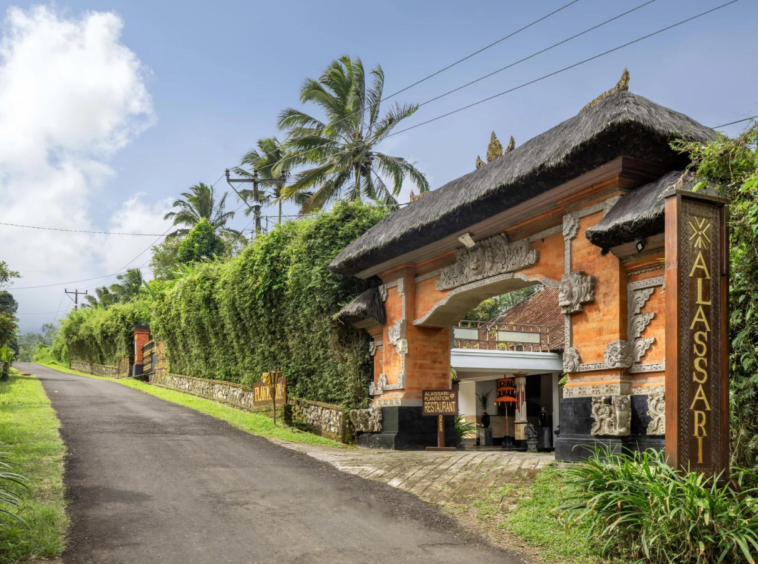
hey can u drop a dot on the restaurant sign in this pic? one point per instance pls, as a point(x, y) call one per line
point(439, 402)
point(697, 371)
point(262, 393)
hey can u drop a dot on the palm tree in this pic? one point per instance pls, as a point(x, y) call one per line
point(129, 286)
point(103, 297)
point(343, 149)
point(198, 204)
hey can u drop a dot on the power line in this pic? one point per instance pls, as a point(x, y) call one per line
point(78, 230)
point(467, 57)
point(733, 122)
point(384, 98)
point(564, 69)
point(553, 46)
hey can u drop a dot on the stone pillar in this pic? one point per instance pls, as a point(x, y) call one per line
point(520, 418)
point(141, 338)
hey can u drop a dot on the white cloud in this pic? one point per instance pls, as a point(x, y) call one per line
point(71, 96)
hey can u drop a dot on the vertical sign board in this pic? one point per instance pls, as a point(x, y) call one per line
point(439, 403)
point(697, 333)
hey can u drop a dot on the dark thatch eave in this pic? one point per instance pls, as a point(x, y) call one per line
point(638, 214)
point(623, 124)
point(367, 306)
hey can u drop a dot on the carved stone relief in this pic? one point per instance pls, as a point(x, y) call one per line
point(367, 420)
point(571, 360)
point(656, 410)
point(373, 346)
point(612, 415)
point(641, 346)
point(639, 299)
point(619, 354)
point(570, 226)
point(575, 290)
point(639, 323)
point(489, 257)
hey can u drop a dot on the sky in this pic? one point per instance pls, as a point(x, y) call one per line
point(110, 109)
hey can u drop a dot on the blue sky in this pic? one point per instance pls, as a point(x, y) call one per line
point(218, 74)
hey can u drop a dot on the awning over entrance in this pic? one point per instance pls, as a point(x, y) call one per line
point(473, 362)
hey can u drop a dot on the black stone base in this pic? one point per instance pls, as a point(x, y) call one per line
point(404, 428)
point(576, 442)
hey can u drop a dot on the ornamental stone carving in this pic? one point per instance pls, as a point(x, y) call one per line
point(571, 360)
point(639, 299)
point(575, 290)
point(373, 346)
point(639, 323)
point(640, 348)
point(367, 420)
point(396, 336)
point(570, 226)
point(656, 410)
point(619, 354)
point(494, 149)
point(382, 385)
point(489, 257)
point(612, 415)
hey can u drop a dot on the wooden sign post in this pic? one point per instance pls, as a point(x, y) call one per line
point(697, 333)
point(439, 403)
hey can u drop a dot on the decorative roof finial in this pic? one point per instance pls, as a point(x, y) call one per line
point(479, 162)
point(511, 145)
point(414, 197)
point(495, 148)
point(621, 86)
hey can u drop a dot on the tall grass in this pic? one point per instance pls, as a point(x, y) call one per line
point(638, 507)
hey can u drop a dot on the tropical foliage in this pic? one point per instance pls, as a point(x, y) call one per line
point(730, 166)
point(127, 288)
point(198, 204)
point(639, 507)
point(340, 151)
point(199, 244)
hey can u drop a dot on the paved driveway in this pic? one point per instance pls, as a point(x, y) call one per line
point(154, 482)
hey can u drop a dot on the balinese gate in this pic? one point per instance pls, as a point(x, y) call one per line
point(579, 208)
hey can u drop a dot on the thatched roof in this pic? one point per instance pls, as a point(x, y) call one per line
point(368, 305)
point(622, 124)
point(638, 214)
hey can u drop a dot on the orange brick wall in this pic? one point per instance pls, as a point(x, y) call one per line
point(603, 320)
point(550, 263)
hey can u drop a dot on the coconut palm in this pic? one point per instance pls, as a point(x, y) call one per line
point(129, 285)
point(102, 297)
point(198, 204)
point(342, 149)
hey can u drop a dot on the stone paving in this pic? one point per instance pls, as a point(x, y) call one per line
point(437, 477)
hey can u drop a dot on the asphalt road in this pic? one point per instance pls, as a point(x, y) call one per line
point(153, 482)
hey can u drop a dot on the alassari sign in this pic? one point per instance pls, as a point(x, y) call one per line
point(697, 333)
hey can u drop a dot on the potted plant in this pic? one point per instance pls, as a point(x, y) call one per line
point(484, 402)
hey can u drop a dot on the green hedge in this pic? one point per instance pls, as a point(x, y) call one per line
point(269, 307)
point(101, 336)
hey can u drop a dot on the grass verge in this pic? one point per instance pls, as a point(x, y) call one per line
point(29, 435)
point(524, 514)
point(253, 423)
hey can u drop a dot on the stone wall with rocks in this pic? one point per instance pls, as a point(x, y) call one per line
point(320, 418)
point(224, 392)
point(120, 371)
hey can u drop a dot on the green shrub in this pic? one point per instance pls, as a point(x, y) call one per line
point(637, 506)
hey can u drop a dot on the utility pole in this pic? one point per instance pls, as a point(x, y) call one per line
point(76, 294)
point(256, 182)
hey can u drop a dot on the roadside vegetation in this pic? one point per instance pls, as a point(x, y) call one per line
point(33, 449)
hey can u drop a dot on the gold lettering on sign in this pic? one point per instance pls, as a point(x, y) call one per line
point(700, 407)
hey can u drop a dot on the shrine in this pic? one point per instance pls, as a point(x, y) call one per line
point(585, 211)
